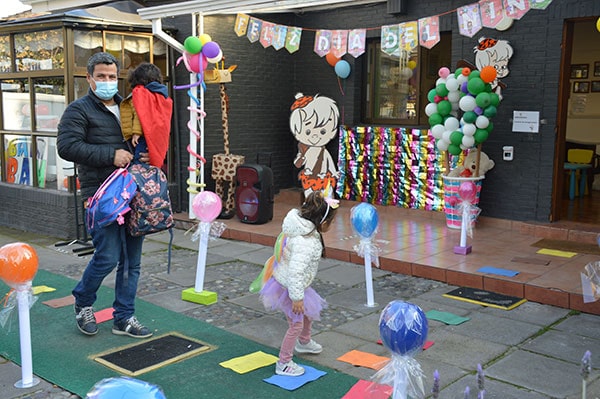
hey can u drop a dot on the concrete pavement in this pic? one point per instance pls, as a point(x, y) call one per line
point(531, 352)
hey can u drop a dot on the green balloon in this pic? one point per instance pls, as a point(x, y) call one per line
point(481, 135)
point(456, 137)
point(192, 44)
point(454, 149)
point(431, 95)
point(490, 111)
point(494, 99)
point(441, 90)
point(444, 107)
point(458, 72)
point(470, 117)
point(483, 99)
point(475, 86)
point(490, 127)
point(474, 74)
point(435, 119)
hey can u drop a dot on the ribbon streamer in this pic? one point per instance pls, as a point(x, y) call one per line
point(366, 246)
point(471, 212)
point(214, 230)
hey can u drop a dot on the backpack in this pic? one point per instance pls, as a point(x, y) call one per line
point(151, 210)
point(111, 201)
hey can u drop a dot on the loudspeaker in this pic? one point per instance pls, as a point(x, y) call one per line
point(254, 193)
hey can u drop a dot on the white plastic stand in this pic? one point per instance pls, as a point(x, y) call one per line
point(463, 249)
point(198, 294)
point(369, 279)
point(27, 380)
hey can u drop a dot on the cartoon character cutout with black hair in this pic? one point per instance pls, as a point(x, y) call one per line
point(496, 53)
point(314, 123)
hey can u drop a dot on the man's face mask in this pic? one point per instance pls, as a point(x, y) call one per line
point(106, 90)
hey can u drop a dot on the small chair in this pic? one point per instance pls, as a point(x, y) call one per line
point(578, 162)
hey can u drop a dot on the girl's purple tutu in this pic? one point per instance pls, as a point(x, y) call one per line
point(275, 297)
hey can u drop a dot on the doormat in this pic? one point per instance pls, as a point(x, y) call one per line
point(485, 298)
point(151, 354)
point(568, 246)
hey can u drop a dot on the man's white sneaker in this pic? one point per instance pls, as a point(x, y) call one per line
point(309, 347)
point(290, 369)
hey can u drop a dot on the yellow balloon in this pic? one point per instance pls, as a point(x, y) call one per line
point(205, 38)
point(598, 24)
point(412, 64)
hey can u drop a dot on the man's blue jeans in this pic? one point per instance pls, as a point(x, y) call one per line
point(108, 255)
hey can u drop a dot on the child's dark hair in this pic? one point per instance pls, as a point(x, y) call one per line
point(318, 211)
point(143, 74)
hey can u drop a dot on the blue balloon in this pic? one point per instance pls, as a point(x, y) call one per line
point(342, 69)
point(125, 388)
point(403, 327)
point(364, 219)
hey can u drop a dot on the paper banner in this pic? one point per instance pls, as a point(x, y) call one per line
point(491, 12)
point(292, 39)
point(266, 34)
point(339, 43)
point(356, 42)
point(322, 42)
point(390, 39)
point(253, 31)
point(279, 34)
point(469, 20)
point(429, 31)
point(241, 24)
point(409, 35)
point(515, 9)
point(539, 4)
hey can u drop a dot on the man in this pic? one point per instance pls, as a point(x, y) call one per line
point(89, 134)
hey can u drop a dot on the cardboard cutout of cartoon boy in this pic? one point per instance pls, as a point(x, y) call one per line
point(496, 53)
point(314, 122)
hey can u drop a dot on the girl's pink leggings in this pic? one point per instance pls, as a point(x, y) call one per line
point(296, 331)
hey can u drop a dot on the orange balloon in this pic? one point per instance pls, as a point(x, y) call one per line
point(331, 59)
point(466, 71)
point(18, 263)
point(488, 74)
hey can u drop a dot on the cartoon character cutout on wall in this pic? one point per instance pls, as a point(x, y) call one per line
point(496, 53)
point(314, 123)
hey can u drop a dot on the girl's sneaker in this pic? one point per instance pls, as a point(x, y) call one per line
point(290, 369)
point(309, 347)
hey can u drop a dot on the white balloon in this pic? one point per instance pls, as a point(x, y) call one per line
point(446, 135)
point(453, 96)
point(482, 122)
point(452, 83)
point(467, 103)
point(407, 73)
point(452, 124)
point(430, 109)
point(440, 81)
point(461, 79)
point(442, 145)
point(468, 141)
point(437, 131)
point(469, 129)
point(216, 58)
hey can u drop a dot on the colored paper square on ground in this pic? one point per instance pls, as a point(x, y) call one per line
point(292, 383)
point(445, 317)
point(554, 252)
point(247, 363)
point(39, 289)
point(368, 389)
point(364, 359)
point(60, 302)
point(104, 315)
point(498, 271)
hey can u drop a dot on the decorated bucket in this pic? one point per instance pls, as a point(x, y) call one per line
point(452, 199)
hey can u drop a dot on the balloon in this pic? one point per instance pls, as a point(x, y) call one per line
point(441, 90)
point(207, 206)
point(216, 59)
point(403, 327)
point(342, 69)
point(456, 137)
point(211, 49)
point(443, 72)
point(444, 107)
point(205, 38)
point(412, 64)
point(125, 388)
point(364, 219)
point(488, 74)
point(192, 45)
point(18, 263)
point(467, 191)
point(331, 59)
point(198, 63)
point(475, 86)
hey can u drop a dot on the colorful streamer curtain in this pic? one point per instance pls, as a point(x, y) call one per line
point(390, 166)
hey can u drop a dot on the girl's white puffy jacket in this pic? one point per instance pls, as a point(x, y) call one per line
point(301, 255)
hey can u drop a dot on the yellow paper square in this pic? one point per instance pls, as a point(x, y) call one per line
point(252, 361)
point(555, 252)
point(38, 289)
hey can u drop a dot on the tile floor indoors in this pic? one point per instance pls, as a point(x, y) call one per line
point(419, 243)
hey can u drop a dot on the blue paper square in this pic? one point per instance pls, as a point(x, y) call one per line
point(495, 270)
point(291, 383)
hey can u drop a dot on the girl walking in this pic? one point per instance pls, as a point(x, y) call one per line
point(289, 289)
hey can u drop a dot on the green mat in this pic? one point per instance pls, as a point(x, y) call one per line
point(63, 356)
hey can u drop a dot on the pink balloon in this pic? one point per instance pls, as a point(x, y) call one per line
point(198, 63)
point(467, 191)
point(443, 72)
point(207, 206)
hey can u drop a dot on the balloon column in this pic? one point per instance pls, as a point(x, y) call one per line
point(18, 266)
point(125, 388)
point(364, 219)
point(403, 328)
point(467, 191)
point(461, 107)
point(206, 206)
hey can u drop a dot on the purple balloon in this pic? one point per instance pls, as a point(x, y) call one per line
point(478, 110)
point(211, 49)
point(463, 88)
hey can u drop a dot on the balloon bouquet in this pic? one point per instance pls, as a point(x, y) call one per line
point(364, 220)
point(206, 206)
point(403, 328)
point(18, 266)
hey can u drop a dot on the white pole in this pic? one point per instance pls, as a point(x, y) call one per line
point(27, 379)
point(369, 277)
point(193, 139)
point(463, 225)
point(202, 252)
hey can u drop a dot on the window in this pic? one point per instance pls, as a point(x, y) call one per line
point(5, 59)
point(395, 89)
point(16, 104)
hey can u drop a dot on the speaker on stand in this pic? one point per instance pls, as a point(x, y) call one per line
point(254, 193)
